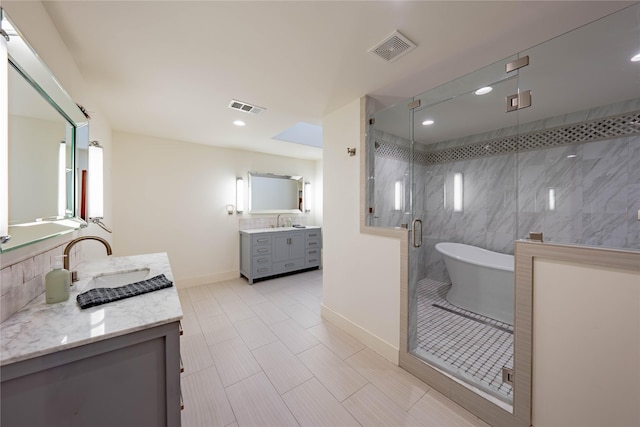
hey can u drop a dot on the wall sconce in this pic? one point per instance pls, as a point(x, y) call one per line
point(457, 192)
point(96, 185)
point(307, 197)
point(62, 179)
point(398, 204)
point(4, 152)
point(239, 195)
point(351, 151)
point(230, 209)
point(552, 199)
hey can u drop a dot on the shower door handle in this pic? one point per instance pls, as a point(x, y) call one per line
point(414, 226)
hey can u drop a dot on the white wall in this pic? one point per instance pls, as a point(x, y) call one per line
point(586, 345)
point(361, 287)
point(170, 196)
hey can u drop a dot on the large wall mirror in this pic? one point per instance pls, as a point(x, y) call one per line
point(269, 193)
point(44, 128)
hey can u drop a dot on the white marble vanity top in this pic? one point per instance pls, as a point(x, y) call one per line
point(272, 229)
point(41, 328)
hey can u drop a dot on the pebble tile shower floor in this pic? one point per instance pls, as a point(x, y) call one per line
point(462, 342)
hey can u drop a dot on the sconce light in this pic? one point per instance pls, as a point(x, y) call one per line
point(230, 209)
point(307, 197)
point(239, 195)
point(398, 204)
point(4, 154)
point(96, 185)
point(552, 199)
point(351, 151)
point(62, 179)
point(457, 192)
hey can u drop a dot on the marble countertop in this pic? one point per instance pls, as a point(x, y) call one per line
point(41, 328)
point(272, 229)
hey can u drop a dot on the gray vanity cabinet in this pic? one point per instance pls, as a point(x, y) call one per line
point(129, 380)
point(313, 246)
point(288, 251)
point(269, 253)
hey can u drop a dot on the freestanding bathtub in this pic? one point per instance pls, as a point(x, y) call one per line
point(481, 280)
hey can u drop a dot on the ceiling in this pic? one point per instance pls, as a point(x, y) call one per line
point(588, 68)
point(170, 68)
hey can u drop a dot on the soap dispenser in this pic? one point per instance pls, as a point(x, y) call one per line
point(57, 283)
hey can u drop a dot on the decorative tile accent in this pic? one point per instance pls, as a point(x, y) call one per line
point(590, 131)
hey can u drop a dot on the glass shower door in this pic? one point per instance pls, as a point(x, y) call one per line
point(463, 203)
point(389, 167)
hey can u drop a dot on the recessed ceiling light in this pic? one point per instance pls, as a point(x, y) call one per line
point(483, 90)
point(636, 58)
point(428, 123)
point(239, 123)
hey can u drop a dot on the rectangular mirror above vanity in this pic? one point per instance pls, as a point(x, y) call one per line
point(45, 128)
point(271, 193)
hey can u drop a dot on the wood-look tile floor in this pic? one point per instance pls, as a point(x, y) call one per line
point(261, 355)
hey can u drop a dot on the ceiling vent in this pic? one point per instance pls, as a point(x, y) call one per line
point(393, 47)
point(244, 107)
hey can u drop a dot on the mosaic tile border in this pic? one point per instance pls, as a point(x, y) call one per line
point(622, 125)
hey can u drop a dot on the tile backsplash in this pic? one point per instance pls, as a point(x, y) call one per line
point(270, 221)
point(23, 280)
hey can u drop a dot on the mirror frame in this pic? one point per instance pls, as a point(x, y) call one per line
point(22, 57)
point(298, 179)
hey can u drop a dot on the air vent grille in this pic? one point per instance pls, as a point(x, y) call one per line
point(244, 107)
point(393, 47)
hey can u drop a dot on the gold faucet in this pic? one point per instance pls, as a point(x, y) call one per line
point(67, 250)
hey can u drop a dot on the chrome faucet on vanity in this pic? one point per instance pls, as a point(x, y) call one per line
point(67, 252)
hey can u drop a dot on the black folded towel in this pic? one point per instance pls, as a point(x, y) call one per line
point(99, 296)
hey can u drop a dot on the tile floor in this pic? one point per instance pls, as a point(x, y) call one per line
point(261, 355)
point(463, 343)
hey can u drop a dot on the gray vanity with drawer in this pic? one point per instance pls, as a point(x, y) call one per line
point(272, 251)
point(116, 364)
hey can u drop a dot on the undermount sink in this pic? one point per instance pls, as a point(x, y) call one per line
point(118, 278)
point(299, 227)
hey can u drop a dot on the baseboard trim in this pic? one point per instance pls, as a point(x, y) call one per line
point(203, 280)
point(375, 343)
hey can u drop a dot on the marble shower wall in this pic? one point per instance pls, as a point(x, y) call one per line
point(388, 171)
point(488, 217)
point(595, 188)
